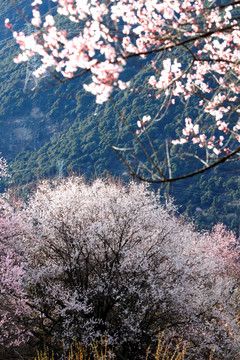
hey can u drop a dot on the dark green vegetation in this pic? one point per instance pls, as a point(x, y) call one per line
point(56, 127)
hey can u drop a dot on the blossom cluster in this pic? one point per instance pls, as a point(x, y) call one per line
point(143, 123)
point(192, 132)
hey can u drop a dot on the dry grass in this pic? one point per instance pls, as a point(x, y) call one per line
point(81, 352)
point(164, 351)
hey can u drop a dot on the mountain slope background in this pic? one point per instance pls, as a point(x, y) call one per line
point(50, 129)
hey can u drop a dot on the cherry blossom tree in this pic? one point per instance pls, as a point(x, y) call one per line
point(190, 47)
point(105, 259)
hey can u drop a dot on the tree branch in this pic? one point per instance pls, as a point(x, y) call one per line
point(216, 163)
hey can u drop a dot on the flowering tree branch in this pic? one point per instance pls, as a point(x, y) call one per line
point(111, 34)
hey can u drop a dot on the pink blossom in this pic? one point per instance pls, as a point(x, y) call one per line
point(144, 121)
point(179, 141)
point(216, 151)
point(36, 20)
point(36, 2)
point(222, 125)
point(7, 24)
point(49, 21)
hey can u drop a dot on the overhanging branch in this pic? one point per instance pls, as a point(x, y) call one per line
point(200, 171)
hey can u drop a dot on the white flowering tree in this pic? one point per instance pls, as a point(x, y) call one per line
point(191, 49)
point(108, 260)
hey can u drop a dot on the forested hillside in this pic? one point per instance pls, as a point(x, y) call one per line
point(48, 128)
